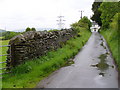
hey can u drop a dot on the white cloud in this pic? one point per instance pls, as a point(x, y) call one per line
point(17, 14)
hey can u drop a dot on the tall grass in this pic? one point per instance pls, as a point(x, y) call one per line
point(27, 75)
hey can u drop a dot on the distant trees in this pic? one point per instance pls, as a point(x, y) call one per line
point(30, 29)
point(8, 35)
point(33, 29)
point(27, 29)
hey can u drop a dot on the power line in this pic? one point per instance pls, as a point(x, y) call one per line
point(60, 22)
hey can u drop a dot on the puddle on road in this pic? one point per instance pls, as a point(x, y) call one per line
point(107, 53)
point(102, 65)
point(103, 74)
point(101, 39)
point(103, 44)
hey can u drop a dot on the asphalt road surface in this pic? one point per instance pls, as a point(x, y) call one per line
point(93, 68)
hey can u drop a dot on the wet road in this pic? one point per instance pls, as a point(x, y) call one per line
point(93, 68)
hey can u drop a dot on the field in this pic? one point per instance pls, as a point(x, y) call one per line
point(27, 75)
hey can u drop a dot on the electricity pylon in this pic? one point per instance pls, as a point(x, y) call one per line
point(60, 22)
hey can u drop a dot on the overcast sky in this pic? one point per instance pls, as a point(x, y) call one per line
point(19, 14)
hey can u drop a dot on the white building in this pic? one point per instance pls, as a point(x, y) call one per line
point(95, 27)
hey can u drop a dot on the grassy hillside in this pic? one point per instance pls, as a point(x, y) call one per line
point(27, 75)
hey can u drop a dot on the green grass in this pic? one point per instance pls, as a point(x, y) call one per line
point(3, 49)
point(112, 37)
point(27, 75)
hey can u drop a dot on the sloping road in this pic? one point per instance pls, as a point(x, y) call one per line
point(93, 68)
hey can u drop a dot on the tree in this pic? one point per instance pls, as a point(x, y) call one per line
point(97, 12)
point(33, 29)
point(108, 10)
point(82, 23)
point(27, 29)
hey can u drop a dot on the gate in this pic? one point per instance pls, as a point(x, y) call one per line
point(3, 69)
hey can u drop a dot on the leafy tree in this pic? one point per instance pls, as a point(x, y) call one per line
point(97, 13)
point(85, 22)
point(108, 9)
point(33, 29)
point(27, 29)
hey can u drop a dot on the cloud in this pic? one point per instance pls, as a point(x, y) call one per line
point(17, 14)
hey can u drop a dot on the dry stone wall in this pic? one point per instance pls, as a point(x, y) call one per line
point(34, 44)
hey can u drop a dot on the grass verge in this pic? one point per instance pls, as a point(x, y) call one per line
point(112, 39)
point(27, 75)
